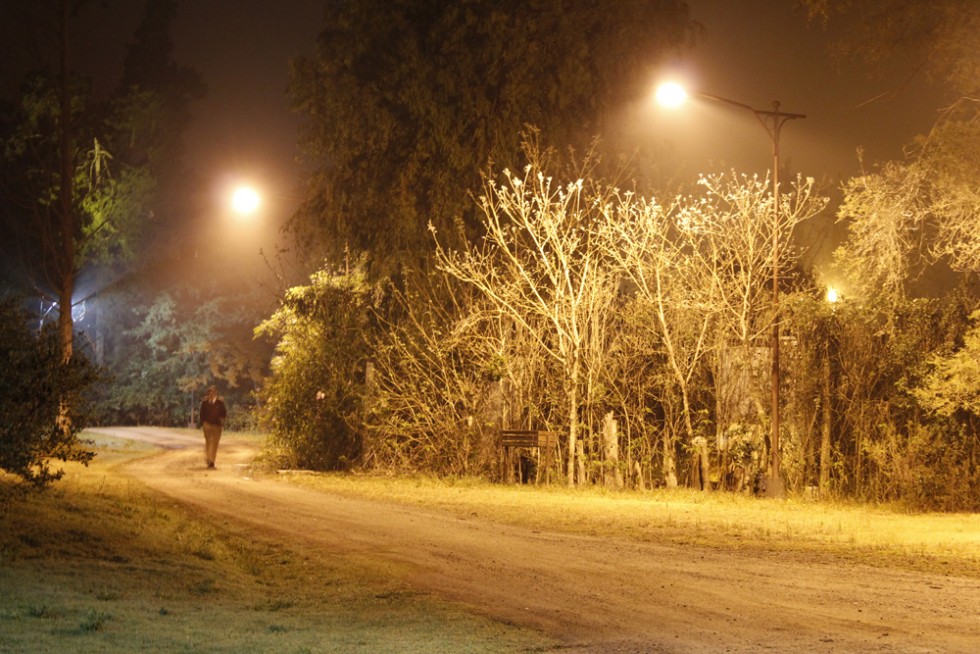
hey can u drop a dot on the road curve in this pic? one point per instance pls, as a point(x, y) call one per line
point(594, 594)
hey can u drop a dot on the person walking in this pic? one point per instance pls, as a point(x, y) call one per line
point(212, 419)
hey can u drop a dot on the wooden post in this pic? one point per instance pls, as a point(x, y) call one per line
point(611, 474)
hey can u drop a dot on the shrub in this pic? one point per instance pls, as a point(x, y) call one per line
point(35, 387)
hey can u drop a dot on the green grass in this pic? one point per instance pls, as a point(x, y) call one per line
point(98, 563)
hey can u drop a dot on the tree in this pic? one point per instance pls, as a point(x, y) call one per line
point(953, 384)
point(313, 399)
point(441, 361)
point(169, 348)
point(81, 171)
point(911, 222)
point(951, 390)
point(406, 103)
point(130, 193)
point(907, 214)
point(543, 264)
point(38, 388)
point(939, 37)
point(700, 267)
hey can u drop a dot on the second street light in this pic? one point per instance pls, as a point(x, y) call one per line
point(671, 94)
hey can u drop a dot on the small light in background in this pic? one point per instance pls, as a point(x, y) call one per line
point(832, 295)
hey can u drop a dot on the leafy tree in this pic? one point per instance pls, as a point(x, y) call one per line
point(407, 101)
point(37, 387)
point(700, 268)
point(130, 194)
point(905, 216)
point(177, 345)
point(939, 36)
point(313, 399)
point(81, 172)
point(953, 385)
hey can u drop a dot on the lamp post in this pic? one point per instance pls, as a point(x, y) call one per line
point(772, 120)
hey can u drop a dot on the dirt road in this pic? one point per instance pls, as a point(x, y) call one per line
point(593, 594)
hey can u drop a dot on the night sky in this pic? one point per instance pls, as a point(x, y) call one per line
point(757, 51)
point(752, 51)
point(243, 128)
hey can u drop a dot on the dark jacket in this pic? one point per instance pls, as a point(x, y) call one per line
point(213, 413)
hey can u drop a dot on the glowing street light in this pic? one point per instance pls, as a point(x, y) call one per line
point(245, 200)
point(672, 95)
point(832, 295)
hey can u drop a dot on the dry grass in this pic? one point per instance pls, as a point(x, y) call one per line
point(101, 564)
point(98, 563)
point(883, 536)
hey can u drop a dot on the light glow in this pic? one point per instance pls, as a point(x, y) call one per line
point(671, 95)
point(245, 200)
point(832, 295)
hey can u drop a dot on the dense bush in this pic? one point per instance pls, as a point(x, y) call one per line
point(42, 408)
point(313, 399)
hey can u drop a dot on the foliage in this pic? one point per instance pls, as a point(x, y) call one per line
point(883, 352)
point(129, 195)
point(929, 465)
point(407, 101)
point(940, 35)
point(313, 400)
point(84, 173)
point(908, 216)
point(562, 297)
point(952, 385)
point(32, 164)
point(701, 270)
point(884, 215)
point(441, 365)
point(178, 344)
point(37, 389)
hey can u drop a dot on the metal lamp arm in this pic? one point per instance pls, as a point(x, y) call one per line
point(771, 120)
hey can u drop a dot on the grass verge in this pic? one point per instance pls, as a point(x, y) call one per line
point(98, 563)
point(873, 535)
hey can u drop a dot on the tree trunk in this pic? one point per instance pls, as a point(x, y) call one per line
point(670, 462)
point(826, 425)
point(572, 421)
point(66, 257)
point(704, 463)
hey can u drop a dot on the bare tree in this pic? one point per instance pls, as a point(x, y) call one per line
point(543, 266)
point(658, 256)
point(702, 266)
point(433, 403)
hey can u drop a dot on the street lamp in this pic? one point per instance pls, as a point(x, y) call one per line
point(245, 200)
point(672, 94)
